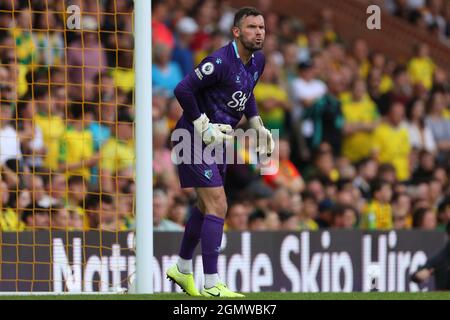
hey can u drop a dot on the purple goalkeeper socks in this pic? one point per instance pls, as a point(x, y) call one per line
point(211, 237)
point(192, 232)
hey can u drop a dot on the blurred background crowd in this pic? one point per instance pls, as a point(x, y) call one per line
point(66, 127)
point(432, 16)
point(364, 139)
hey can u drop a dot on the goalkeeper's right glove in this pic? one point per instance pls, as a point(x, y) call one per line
point(212, 132)
point(265, 144)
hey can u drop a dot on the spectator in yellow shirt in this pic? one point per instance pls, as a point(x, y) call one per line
point(117, 155)
point(306, 219)
point(271, 97)
point(77, 191)
point(59, 218)
point(101, 213)
point(361, 117)
point(401, 211)
point(55, 184)
point(378, 213)
point(75, 199)
point(324, 166)
point(75, 220)
point(76, 152)
point(361, 54)
point(25, 45)
point(48, 39)
point(391, 142)
point(380, 68)
point(12, 75)
point(421, 67)
point(9, 219)
point(123, 74)
point(36, 217)
point(50, 120)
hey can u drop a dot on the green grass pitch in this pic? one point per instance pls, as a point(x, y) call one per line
point(252, 296)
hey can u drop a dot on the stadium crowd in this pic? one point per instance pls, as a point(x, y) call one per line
point(432, 16)
point(364, 141)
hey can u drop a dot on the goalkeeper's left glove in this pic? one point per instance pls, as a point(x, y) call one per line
point(212, 132)
point(265, 144)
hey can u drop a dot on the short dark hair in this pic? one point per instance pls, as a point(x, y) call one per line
point(101, 75)
point(91, 108)
point(363, 162)
point(305, 65)
point(308, 195)
point(398, 195)
point(33, 209)
point(285, 215)
point(243, 13)
point(385, 167)
point(419, 215)
point(341, 184)
point(340, 209)
point(258, 214)
point(400, 69)
point(443, 205)
point(235, 203)
point(125, 117)
point(40, 91)
point(75, 179)
point(376, 185)
point(93, 200)
point(76, 110)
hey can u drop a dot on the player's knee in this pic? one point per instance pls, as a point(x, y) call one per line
point(217, 205)
point(217, 210)
point(223, 209)
point(220, 210)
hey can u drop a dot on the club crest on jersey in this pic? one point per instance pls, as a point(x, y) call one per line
point(218, 61)
point(208, 68)
point(238, 79)
point(208, 174)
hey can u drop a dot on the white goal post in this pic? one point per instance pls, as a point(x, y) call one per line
point(143, 282)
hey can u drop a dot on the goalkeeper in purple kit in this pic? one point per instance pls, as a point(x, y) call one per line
point(214, 97)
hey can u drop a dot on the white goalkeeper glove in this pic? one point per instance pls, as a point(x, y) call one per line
point(265, 144)
point(212, 132)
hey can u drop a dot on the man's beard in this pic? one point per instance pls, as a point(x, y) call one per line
point(250, 46)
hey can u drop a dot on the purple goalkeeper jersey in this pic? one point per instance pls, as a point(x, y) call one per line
point(221, 86)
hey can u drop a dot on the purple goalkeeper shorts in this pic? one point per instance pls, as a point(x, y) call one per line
point(199, 174)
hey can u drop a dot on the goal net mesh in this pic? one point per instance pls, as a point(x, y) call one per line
point(66, 145)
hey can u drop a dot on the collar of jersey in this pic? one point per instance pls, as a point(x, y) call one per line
point(236, 50)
